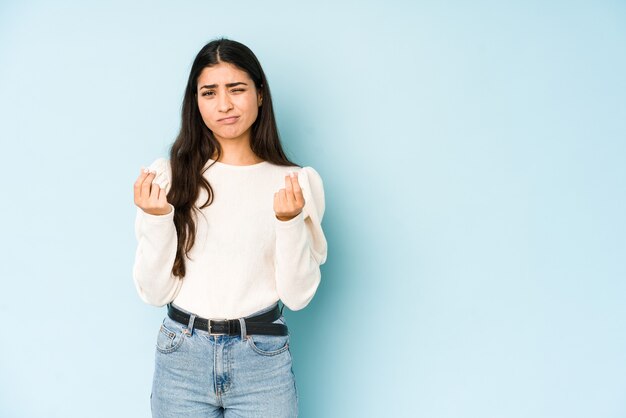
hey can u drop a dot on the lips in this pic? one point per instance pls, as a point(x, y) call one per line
point(228, 120)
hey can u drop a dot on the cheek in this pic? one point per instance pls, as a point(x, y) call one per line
point(205, 112)
point(254, 114)
point(253, 111)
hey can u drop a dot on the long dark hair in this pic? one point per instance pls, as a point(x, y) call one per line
point(195, 143)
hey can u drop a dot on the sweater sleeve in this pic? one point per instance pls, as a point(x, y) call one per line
point(301, 245)
point(156, 248)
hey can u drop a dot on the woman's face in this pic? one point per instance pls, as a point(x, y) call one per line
point(228, 101)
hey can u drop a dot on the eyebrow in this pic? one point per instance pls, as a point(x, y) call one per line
point(212, 86)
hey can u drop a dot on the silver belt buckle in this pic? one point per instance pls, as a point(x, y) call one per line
point(209, 326)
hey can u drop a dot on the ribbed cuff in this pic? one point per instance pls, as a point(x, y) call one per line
point(158, 218)
point(299, 218)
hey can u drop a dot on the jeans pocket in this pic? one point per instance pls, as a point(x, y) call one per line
point(171, 336)
point(268, 345)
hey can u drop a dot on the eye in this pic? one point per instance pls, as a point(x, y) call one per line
point(208, 93)
point(237, 90)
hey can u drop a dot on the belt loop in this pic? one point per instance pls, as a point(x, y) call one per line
point(192, 318)
point(242, 323)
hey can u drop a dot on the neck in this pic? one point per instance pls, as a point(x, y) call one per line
point(237, 152)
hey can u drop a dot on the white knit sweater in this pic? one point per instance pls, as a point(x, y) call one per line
point(243, 259)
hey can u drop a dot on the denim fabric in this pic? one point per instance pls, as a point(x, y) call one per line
point(202, 375)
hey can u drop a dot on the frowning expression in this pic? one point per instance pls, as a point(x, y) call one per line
point(228, 101)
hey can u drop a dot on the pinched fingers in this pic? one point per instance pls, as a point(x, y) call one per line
point(150, 196)
point(281, 197)
point(288, 202)
point(290, 198)
point(297, 190)
point(143, 185)
point(155, 190)
point(162, 196)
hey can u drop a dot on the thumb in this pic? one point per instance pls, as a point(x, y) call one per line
point(162, 196)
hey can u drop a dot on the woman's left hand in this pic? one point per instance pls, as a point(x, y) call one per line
point(288, 202)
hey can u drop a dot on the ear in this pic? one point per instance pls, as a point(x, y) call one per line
point(259, 100)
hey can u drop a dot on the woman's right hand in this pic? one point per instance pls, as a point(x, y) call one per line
point(150, 197)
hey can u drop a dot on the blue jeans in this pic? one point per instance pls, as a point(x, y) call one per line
point(202, 375)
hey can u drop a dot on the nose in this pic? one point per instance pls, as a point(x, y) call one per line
point(224, 104)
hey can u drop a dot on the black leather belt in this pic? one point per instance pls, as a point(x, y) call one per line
point(259, 324)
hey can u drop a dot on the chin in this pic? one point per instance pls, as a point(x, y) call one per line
point(230, 136)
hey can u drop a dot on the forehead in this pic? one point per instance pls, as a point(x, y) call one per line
point(222, 73)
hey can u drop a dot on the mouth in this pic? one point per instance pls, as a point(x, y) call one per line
point(230, 119)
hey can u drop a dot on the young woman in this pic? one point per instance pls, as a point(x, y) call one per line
point(227, 227)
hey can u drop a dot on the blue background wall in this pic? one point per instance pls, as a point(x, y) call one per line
point(473, 157)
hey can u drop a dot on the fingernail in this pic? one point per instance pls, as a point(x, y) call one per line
point(292, 174)
point(145, 170)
